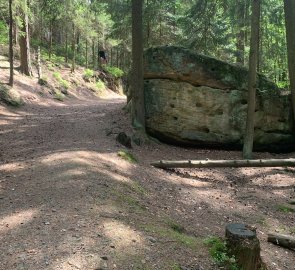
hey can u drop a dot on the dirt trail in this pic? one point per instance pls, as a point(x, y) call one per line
point(67, 201)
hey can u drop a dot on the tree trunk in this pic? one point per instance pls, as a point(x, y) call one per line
point(50, 40)
point(243, 243)
point(94, 58)
point(74, 50)
point(290, 33)
point(224, 163)
point(240, 43)
point(10, 43)
point(67, 49)
point(138, 110)
point(252, 80)
point(39, 69)
point(24, 43)
point(86, 53)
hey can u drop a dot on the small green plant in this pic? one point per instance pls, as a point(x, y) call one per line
point(114, 71)
point(10, 96)
point(219, 253)
point(63, 83)
point(100, 85)
point(180, 238)
point(59, 95)
point(285, 209)
point(3, 33)
point(176, 227)
point(88, 74)
point(127, 156)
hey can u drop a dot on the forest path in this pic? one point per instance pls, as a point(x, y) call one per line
point(67, 201)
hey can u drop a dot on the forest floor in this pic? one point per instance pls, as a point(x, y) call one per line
point(68, 201)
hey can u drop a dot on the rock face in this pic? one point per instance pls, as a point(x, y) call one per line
point(197, 100)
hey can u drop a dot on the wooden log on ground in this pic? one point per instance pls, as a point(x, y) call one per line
point(282, 240)
point(224, 163)
point(292, 202)
point(244, 245)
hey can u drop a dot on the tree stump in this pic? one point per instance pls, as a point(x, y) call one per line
point(243, 243)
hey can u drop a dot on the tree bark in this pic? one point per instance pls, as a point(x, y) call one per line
point(224, 163)
point(24, 43)
point(290, 34)
point(138, 110)
point(252, 80)
point(243, 243)
point(73, 49)
point(283, 240)
point(86, 53)
point(11, 43)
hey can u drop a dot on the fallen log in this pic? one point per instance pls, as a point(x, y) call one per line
point(292, 202)
point(282, 240)
point(224, 163)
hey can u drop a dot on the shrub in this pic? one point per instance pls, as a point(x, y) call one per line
point(114, 71)
point(59, 95)
point(100, 85)
point(88, 74)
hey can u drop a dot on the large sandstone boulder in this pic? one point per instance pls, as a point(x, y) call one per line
point(197, 100)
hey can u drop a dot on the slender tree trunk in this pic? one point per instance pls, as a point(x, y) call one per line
point(74, 50)
point(252, 80)
point(10, 43)
point(94, 58)
point(240, 43)
point(86, 56)
point(138, 110)
point(24, 42)
point(67, 48)
point(290, 33)
point(50, 40)
point(39, 69)
point(117, 58)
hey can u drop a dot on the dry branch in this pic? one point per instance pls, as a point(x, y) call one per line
point(224, 163)
point(283, 240)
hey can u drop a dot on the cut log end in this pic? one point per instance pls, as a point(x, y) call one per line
point(243, 243)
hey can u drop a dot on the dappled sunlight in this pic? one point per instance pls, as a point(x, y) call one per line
point(123, 237)
point(10, 222)
point(77, 261)
point(12, 167)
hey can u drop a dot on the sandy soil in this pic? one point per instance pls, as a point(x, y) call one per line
point(68, 201)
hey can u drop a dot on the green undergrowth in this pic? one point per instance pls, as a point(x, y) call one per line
point(286, 209)
point(126, 155)
point(173, 234)
point(62, 83)
point(114, 71)
point(88, 74)
point(59, 95)
point(10, 96)
point(219, 253)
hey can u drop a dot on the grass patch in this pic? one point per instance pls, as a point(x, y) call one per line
point(286, 209)
point(10, 96)
point(127, 156)
point(219, 253)
point(173, 235)
point(176, 227)
point(138, 188)
point(125, 199)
